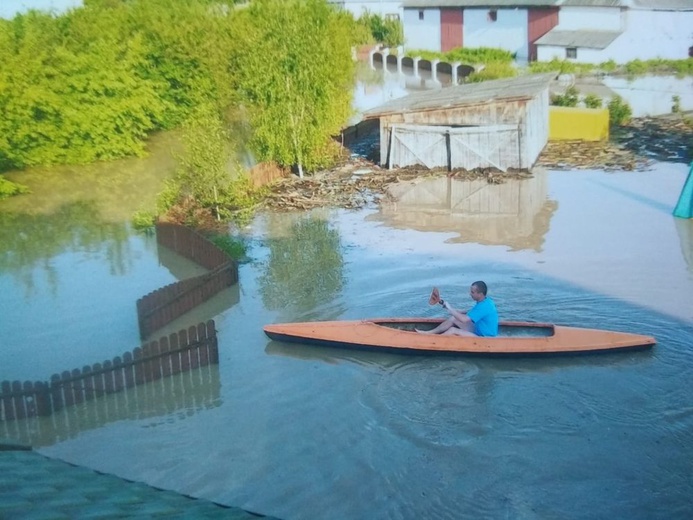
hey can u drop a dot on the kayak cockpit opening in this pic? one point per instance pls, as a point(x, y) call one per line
point(528, 330)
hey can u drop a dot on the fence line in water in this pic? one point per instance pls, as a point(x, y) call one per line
point(164, 305)
point(177, 353)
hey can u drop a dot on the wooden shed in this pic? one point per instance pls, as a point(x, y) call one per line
point(501, 123)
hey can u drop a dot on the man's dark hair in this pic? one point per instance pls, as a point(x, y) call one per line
point(481, 287)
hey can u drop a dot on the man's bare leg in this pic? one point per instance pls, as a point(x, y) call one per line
point(448, 327)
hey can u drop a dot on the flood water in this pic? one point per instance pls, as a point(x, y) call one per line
point(647, 95)
point(309, 432)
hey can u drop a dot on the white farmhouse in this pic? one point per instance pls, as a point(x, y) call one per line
point(601, 30)
point(590, 31)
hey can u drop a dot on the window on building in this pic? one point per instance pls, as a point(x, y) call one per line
point(492, 15)
point(571, 53)
point(421, 15)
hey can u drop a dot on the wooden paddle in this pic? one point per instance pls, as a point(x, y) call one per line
point(435, 297)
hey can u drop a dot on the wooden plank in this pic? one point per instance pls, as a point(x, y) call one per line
point(118, 375)
point(7, 405)
point(29, 398)
point(18, 400)
point(43, 402)
point(77, 385)
point(57, 393)
point(129, 370)
point(99, 386)
point(88, 383)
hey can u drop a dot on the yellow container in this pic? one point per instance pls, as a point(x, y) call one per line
point(578, 124)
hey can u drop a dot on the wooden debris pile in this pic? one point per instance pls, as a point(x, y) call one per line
point(581, 155)
point(359, 183)
point(632, 147)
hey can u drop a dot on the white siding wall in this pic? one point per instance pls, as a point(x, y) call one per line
point(589, 18)
point(422, 34)
point(653, 34)
point(508, 32)
point(547, 53)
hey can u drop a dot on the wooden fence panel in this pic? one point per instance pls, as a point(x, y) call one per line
point(162, 306)
point(188, 349)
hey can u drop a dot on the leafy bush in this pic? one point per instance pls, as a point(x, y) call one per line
point(608, 66)
point(561, 67)
point(494, 70)
point(676, 104)
point(620, 112)
point(568, 99)
point(143, 221)
point(636, 67)
point(474, 56)
point(478, 55)
point(10, 189)
point(232, 247)
point(592, 101)
point(384, 30)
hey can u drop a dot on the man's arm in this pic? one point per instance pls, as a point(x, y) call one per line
point(460, 316)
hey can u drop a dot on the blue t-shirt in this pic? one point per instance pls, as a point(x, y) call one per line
point(485, 318)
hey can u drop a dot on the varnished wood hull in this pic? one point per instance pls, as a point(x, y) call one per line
point(397, 334)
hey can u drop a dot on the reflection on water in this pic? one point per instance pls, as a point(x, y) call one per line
point(515, 213)
point(71, 269)
point(646, 95)
point(30, 242)
point(684, 228)
point(305, 266)
point(116, 188)
point(171, 398)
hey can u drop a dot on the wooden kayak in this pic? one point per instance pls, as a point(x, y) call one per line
point(398, 334)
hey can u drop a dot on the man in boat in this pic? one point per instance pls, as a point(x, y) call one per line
point(480, 320)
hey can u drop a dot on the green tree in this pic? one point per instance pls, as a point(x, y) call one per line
point(93, 83)
point(70, 93)
point(293, 73)
point(387, 31)
point(209, 183)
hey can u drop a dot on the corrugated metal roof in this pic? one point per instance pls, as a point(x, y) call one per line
point(584, 39)
point(478, 3)
point(523, 87)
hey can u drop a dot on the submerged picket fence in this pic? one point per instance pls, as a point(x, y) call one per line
point(164, 305)
point(180, 352)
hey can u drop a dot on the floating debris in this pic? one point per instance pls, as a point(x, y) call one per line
point(358, 182)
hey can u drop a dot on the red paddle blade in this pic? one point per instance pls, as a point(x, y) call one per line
point(435, 296)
